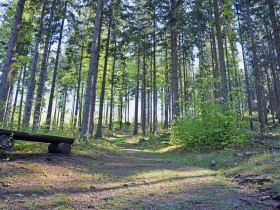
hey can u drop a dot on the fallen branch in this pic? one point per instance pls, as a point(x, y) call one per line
point(254, 180)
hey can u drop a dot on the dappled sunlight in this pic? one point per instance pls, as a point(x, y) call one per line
point(155, 187)
point(133, 150)
point(128, 177)
point(259, 164)
point(146, 104)
point(184, 172)
point(132, 139)
point(169, 149)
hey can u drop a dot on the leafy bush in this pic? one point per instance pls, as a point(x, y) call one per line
point(214, 125)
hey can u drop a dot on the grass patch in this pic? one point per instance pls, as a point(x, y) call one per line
point(31, 205)
point(94, 148)
point(277, 186)
point(230, 161)
point(29, 147)
point(36, 190)
point(61, 199)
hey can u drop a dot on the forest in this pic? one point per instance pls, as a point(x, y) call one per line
point(172, 99)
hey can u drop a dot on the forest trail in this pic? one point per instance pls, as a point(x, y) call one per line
point(130, 179)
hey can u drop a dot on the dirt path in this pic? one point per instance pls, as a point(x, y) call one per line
point(132, 180)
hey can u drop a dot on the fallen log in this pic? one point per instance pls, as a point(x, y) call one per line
point(58, 144)
point(19, 135)
point(64, 148)
point(255, 180)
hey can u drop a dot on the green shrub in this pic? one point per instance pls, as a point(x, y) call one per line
point(214, 125)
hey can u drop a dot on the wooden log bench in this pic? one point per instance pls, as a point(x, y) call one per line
point(57, 144)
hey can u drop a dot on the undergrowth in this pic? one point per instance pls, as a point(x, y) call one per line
point(212, 126)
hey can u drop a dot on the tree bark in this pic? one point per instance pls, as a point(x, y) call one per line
point(92, 70)
point(224, 85)
point(275, 27)
point(63, 111)
point(135, 131)
point(16, 96)
point(21, 97)
point(215, 69)
point(246, 73)
point(274, 74)
point(9, 101)
point(174, 54)
point(43, 72)
point(228, 72)
point(154, 75)
point(81, 107)
point(102, 95)
point(256, 70)
point(166, 91)
point(31, 83)
point(51, 99)
point(94, 84)
point(143, 95)
point(7, 69)
point(79, 87)
point(112, 87)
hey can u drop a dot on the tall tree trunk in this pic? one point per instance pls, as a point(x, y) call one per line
point(21, 97)
point(121, 110)
point(73, 107)
point(43, 72)
point(237, 83)
point(55, 112)
point(136, 109)
point(102, 95)
point(155, 75)
point(9, 102)
point(143, 95)
point(228, 71)
point(16, 96)
point(174, 54)
point(166, 91)
point(276, 28)
point(256, 70)
point(215, 65)
point(273, 67)
point(79, 87)
point(7, 68)
point(128, 104)
point(112, 86)
point(246, 73)
point(271, 95)
point(92, 70)
point(148, 101)
point(63, 111)
point(50, 106)
point(185, 81)
point(181, 73)
point(81, 107)
point(31, 83)
point(224, 86)
point(94, 84)
point(107, 114)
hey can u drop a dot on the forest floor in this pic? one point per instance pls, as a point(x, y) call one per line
point(123, 173)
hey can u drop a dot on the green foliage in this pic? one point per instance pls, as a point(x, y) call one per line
point(61, 199)
point(214, 126)
point(277, 186)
